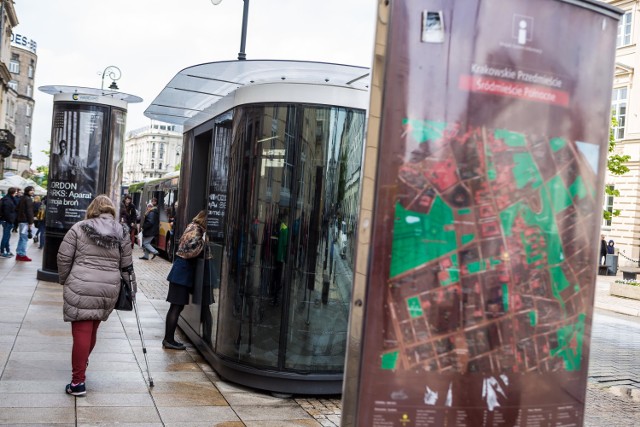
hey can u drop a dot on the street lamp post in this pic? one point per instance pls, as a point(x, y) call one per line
point(243, 36)
point(114, 74)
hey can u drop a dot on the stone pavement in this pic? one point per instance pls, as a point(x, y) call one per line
point(35, 353)
point(35, 347)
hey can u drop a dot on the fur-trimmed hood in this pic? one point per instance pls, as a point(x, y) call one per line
point(104, 231)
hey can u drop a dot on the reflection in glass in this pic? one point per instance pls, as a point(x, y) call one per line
point(290, 223)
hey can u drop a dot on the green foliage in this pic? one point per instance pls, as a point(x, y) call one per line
point(177, 167)
point(42, 178)
point(616, 166)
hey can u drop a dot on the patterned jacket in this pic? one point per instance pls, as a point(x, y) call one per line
point(191, 242)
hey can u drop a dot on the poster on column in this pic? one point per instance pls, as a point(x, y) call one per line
point(116, 155)
point(74, 164)
point(218, 179)
point(488, 201)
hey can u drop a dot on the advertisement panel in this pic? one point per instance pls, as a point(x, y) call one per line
point(77, 135)
point(115, 154)
point(488, 203)
point(218, 179)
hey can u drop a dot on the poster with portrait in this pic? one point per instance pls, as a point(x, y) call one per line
point(115, 154)
point(77, 136)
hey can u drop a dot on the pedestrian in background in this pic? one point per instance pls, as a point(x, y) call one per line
point(129, 216)
point(18, 197)
point(150, 229)
point(611, 248)
point(90, 259)
point(24, 218)
point(41, 217)
point(603, 250)
point(36, 207)
point(8, 207)
point(182, 275)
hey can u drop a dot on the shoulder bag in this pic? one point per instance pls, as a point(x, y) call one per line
point(125, 297)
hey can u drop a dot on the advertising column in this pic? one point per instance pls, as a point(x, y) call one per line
point(488, 195)
point(86, 160)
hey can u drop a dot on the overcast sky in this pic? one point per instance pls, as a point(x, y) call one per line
point(152, 40)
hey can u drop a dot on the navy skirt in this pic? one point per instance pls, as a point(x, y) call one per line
point(178, 294)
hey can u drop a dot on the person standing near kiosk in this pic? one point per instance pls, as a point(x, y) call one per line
point(150, 229)
point(182, 275)
point(24, 219)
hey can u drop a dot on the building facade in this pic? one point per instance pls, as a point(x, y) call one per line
point(151, 151)
point(22, 67)
point(624, 229)
point(8, 96)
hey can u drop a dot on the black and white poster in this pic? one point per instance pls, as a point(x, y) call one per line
point(218, 180)
point(75, 161)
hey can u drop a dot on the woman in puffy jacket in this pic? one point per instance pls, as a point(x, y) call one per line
point(90, 259)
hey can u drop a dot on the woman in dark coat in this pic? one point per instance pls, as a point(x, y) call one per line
point(129, 216)
point(182, 275)
point(603, 250)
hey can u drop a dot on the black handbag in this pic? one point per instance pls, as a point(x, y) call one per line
point(125, 299)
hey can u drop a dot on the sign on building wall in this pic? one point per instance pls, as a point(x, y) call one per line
point(24, 42)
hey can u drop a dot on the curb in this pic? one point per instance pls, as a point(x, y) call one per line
point(618, 309)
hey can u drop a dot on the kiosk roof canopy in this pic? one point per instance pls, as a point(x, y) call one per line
point(78, 90)
point(196, 88)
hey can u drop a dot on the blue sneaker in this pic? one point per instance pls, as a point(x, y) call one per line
point(76, 390)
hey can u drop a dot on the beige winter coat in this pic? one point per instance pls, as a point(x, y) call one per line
point(89, 263)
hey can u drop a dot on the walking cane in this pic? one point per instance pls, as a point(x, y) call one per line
point(132, 277)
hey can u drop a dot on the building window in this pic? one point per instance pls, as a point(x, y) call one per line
point(27, 131)
point(624, 30)
point(608, 205)
point(152, 165)
point(619, 110)
point(160, 165)
point(14, 66)
point(13, 84)
point(28, 111)
point(30, 72)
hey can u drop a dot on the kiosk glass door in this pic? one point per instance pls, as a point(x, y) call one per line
point(289, 235)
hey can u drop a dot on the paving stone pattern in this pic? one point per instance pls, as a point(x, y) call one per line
point(151, 275)
point(604, 408)
point(614, 354)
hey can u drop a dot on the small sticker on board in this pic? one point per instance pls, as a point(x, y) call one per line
point(432, 26)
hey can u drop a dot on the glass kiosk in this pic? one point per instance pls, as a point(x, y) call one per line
point(273, 150)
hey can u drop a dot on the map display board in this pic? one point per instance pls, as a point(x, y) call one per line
point(488, 203)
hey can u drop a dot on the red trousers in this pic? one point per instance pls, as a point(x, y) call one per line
point(84, 339)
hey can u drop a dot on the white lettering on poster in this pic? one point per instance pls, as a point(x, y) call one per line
point(513, 74)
